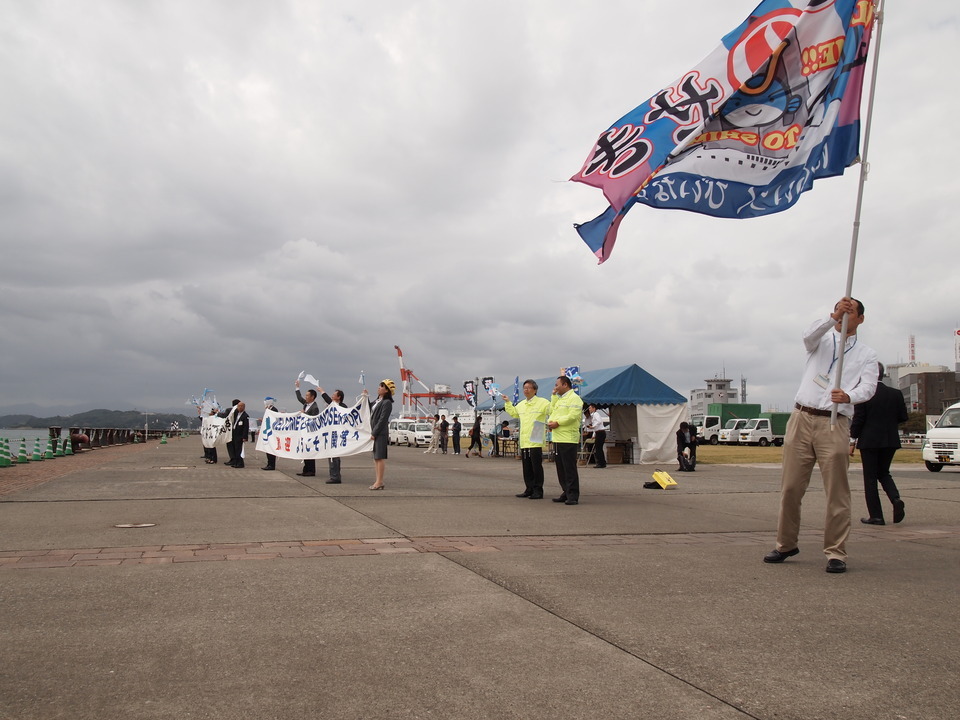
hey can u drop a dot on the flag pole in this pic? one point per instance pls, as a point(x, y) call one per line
point(864, 172)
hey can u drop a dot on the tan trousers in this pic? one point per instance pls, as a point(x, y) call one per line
point(810, 440)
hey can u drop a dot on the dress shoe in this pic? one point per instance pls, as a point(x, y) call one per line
point(535, 497)
point(333, 482)
point(571, 502)
point(652, 485)
point(267, 468)
point(239, 467)
point(229, 462)
point(306, 474)
point(898, 510)
point(775, 556)
point(836, 566)
point(524, 494)
point(872, 521)
point(562, 498)
point(600, 467)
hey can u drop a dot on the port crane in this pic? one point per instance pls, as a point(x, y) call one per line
point(413, 402)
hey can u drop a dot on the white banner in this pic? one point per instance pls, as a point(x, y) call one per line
point(215, 431)
point(335, 432)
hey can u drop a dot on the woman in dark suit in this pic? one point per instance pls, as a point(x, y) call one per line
point(380, 429)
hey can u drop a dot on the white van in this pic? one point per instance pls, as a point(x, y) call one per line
point(941, 446)
point(398, 430)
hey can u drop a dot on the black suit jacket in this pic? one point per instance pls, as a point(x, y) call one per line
point(241, 426)
point(310, 409)
point(875, 421)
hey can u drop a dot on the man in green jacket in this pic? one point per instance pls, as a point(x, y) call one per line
point(532, 412)
point(566, 410)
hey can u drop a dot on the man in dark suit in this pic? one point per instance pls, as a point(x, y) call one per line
point(240, 432)
point(334, 462)
point(310, 408)
point(230, 449)
point(874, 432)
point(268, 404)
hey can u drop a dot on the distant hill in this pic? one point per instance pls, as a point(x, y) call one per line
point(121, 419)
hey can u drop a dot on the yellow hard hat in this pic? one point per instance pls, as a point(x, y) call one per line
point(389, 384)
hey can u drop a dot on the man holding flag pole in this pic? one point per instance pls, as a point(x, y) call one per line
point(775, 107)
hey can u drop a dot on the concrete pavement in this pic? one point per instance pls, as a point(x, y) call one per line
point(264, 595)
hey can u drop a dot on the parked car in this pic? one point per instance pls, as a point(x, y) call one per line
point(415, 434)
point(942, 444)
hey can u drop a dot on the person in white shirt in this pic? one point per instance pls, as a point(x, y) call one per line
point(593, 424)
point(811, 439)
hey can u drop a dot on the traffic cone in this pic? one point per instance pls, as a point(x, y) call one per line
point(37, 452)
point(163, 439)
point(68, 446)
point(48, 455)
point(4, 454)
point(23, 457)
point(60, 442)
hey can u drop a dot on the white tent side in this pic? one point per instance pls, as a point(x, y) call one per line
point(654, 426)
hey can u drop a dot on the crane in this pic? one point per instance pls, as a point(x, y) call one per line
point(413, 402)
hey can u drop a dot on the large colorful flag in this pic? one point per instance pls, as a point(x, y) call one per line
point(744, 133)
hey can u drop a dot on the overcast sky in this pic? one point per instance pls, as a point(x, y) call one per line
point(222, 194)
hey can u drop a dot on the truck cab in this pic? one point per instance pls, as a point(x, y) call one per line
point(709, 431)
point(730, 435)
point(941, 445)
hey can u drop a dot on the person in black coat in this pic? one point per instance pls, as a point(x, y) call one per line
point(874, 431)
point(240, 432)
point(333, 464)
point(230, 448)
point(309, 408)
point(268, 404)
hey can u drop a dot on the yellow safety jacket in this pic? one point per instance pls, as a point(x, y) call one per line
point(528, 411)
point(567, 410)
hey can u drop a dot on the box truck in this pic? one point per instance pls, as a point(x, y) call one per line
point(768, 428)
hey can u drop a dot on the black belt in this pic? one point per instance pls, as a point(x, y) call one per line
point(812, 411)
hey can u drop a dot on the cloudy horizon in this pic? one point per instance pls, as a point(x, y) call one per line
point(223, 194)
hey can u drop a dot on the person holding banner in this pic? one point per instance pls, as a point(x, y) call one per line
point(813, 436)
point(333, 463)
point(240, 432)
point(231, 452)
point(309, 408)
point(379, 428)
point(268, 404)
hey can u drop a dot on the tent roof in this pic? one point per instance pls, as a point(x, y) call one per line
point(624, 385)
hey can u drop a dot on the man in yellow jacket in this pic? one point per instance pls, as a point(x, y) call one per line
point(532, 412)
point(566, 410)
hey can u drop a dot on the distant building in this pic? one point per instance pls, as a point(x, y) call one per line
point(718, 390)
point(927, 392)
point(895, 371)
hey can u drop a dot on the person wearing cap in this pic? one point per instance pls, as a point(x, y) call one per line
point(380, 428)
point(812, 437)
point(268, 404)
point(333, 464)
point(309, 408)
